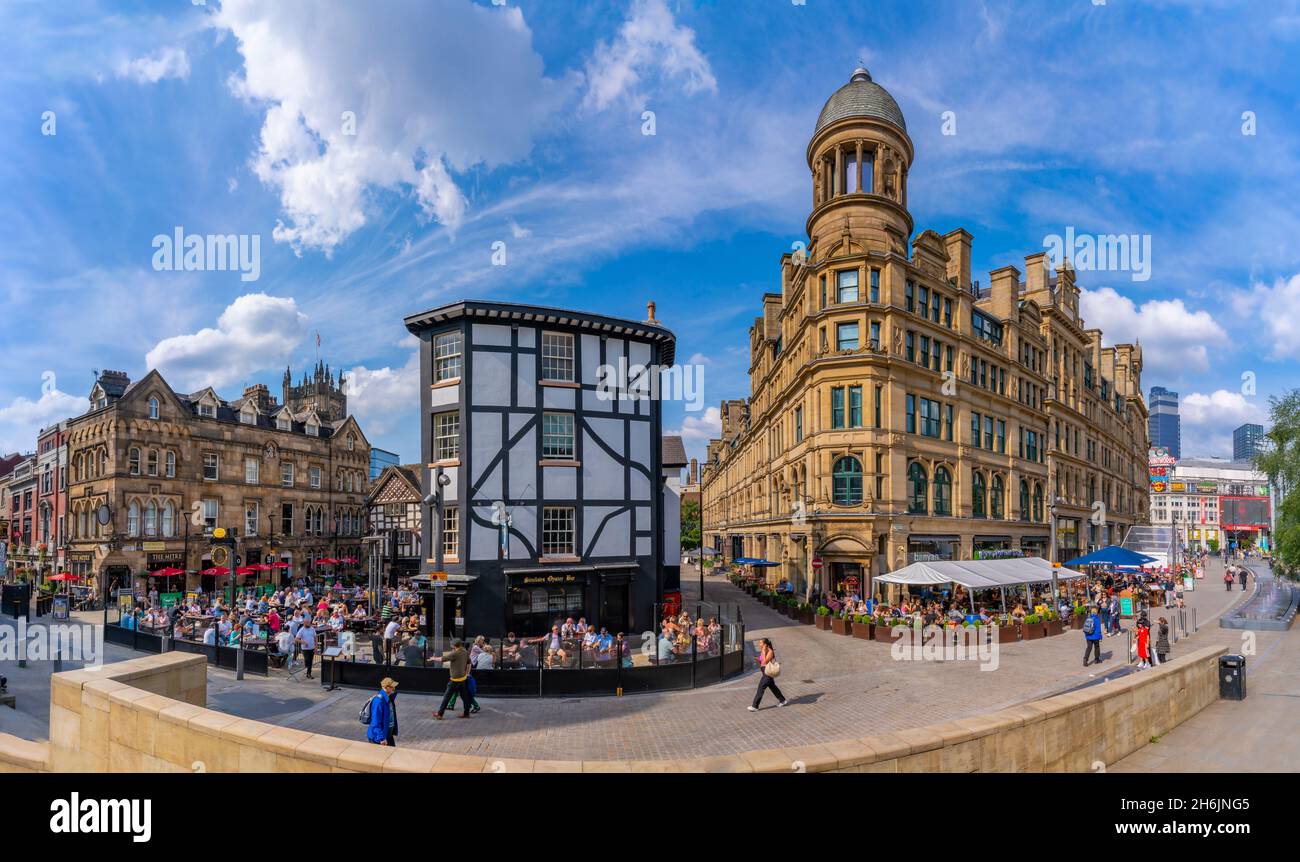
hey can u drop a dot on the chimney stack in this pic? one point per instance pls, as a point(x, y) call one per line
point(694, 475)
point(650, 310)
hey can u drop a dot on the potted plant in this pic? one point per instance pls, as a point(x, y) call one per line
point(862, 627)
point(1080, 614)
point(824, 618)
point(1054, 624)
point(841, 624)
point(1008, 631)
point(884, 630)
point(1033, 628)
point(806, 613)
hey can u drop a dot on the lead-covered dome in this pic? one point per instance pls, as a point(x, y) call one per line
point(861, 97)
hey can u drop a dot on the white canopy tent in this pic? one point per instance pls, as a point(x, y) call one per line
point(979, 574)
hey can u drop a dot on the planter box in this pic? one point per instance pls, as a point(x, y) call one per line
point(885, 634)
point(864, 631)
point(1033, 631)
point(1055, 627)
point(823, 621)
point(1008, 634)
point(1076, 622)
point(840, 626)
point(806, 617)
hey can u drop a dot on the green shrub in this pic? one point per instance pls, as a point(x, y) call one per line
point(823, 611)
point(1032, 619)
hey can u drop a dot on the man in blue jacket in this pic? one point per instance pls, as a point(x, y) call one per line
point(382, 729)
point(1092, 636)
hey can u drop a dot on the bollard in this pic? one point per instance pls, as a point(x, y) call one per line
point(239, 663)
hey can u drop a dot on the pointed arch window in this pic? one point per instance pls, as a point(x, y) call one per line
point(133, 519)
point(1024, 500)
point(917, 489)
point(171, 465)
point(153, 408)
point(978, 495)
point(169, 519)
point(151, 519)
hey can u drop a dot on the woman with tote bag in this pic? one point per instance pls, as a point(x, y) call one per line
point(770, 669)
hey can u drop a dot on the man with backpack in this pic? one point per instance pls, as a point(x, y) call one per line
point(1092, 636)
point(380, 714)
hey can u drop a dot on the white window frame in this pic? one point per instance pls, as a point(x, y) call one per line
point(211, 515)
point(252, 471)
point(557, 357)
point(313, 477)
point(448, 359)
point(561, 452)
point(558, 522)
point(215, 465)
point(446, 436)
point(451, 531)
point(153, 408)
point(286, 474)
point(252, 511)
point(170, 464)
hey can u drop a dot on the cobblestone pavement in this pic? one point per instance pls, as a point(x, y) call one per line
point(1258, 734)
point(838, 687)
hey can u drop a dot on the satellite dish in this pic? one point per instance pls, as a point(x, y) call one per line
point(103, 515)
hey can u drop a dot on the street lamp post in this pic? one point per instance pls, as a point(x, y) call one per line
point(440, 481)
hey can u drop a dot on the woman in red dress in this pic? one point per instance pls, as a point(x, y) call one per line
point(1144, 643)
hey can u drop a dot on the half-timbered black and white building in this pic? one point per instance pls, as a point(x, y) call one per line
point(544, 443)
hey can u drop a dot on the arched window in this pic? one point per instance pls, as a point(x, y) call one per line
point(152, 463)
point(169, 519)
point(1024, 500)
point(134, 461)
point(1038, 503)
point(846, 482)
point(978, 495)
point(997, 497)
point(151, 519)
point(306, 520)
point(103, 462)
point(133, 519)
point(917, 488)
point(942, 491)
point(153, 408)
point(171, 465)
point(81, 524)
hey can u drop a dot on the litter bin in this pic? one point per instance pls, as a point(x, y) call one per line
point(1232, 677)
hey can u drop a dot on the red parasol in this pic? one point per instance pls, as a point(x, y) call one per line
point(215, 570)
point(278, 565)
point(65, 576)
point(327, 561)
point(167, 572)
point(247, 570)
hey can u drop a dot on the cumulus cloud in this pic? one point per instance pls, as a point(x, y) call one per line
point(170, 62)
point(384, 399)
point(23, 418)
point(1276, 310)
point(1207, 421)
point(650, 43)
point(1175, 339)
point(362, 98)
point(702, 428)
point(255, 331)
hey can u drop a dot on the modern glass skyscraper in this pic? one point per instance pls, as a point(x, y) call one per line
point(379, 459)
point(1245, 441)
point(1162, 420)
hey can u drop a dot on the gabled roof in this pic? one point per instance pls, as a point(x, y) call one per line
point(674, 452)
point(396, 484)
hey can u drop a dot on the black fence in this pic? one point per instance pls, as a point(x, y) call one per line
point(227, 657)
point(550, 676)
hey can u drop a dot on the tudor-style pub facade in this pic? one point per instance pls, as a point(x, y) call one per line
point(553, 496)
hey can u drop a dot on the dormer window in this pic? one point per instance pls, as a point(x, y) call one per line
point(312, 428)
point(248, 416)
point(208, 409)
point(282, 422)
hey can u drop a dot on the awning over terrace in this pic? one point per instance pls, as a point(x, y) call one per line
point(977, 574)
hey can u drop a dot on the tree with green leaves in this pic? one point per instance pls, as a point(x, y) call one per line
point(690, 525)
point(1279, 459)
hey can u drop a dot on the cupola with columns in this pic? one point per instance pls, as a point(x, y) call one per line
point(859, 156)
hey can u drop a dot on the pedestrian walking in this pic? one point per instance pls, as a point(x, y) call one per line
point(1242, 571)
point(382, 726)
point(770, 669)
point(1143, 631)
point(1162, 641)
point(1092, 628)
point(1227, 578)
point(457, 660)
point(307, 641)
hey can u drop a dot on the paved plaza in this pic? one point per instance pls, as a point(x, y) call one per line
point(838, 687)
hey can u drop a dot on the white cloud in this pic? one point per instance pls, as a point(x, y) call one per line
point(1207, 421)
point(519, 232)
point(383, 399)
point(23, 418)
point(427, 95)
point(1175, 339)
point(701, 428)
point(255, 331)
point(1276, 311)
point(170, 62)
point(649, 42)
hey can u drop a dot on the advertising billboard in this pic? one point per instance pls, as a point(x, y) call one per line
point(1243, 513)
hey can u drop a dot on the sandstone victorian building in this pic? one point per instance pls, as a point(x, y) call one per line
point(898, 411)
point(288, 479)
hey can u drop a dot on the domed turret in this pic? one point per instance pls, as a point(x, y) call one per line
point(859, 156)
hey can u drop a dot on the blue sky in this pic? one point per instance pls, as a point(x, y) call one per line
point(521, 123)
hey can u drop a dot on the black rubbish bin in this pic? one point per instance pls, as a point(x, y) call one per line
point(1232, 677)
